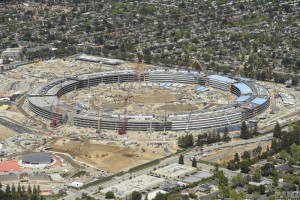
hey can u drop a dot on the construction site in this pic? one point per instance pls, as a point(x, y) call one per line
point(115, 115)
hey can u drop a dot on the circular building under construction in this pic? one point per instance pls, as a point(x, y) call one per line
point(251, 100)
point(37, 160)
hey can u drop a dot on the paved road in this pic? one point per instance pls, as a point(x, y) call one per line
point(16, 126)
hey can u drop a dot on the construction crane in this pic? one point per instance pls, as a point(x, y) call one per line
point(200, 67)
point(124, 118)
point(54, 108)
point(99, 123)
point(240, 67)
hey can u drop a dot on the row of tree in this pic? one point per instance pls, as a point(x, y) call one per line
point(20, 192)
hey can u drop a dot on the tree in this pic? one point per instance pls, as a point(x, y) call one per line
point(245, 166)
point(238, 181)
point(136, 196)
point(223, 184)
point(257, 151)
point(246, 155)
point(160, 196)
point(283, 155)
point(236, 158)
point(226, 137)
point(194, 163)
point(275, 178)
point(295, 80)
point(34, 197)
point(181, 159)
point(13, 188)
point(109, 195)
point(23, 189)
point(174, 196)
point(216, 170)
point(19, 189)
point(34, 189)
point(244, 131)
point(234, 195)
point(267, 169)
point(38, 189)
point(7, 189)
point(256, 176)
point(277, 131)
point(295, 154)
point(29, 190)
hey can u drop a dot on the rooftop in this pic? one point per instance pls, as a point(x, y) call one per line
point(174, 170)
point(221, 78)
point(259, 100)
point(139, 183)
point(245, 89)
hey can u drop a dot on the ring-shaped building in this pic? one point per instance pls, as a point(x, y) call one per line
point(252, 99)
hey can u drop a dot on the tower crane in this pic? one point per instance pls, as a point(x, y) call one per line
point(54, 108)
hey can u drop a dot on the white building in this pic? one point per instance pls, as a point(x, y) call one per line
point(174, 171)
point(141, 183)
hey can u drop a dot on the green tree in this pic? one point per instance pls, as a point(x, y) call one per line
point(136, 196)
point(181, 159)
point(275, 177)
point(19, 189)
point(160, 196)
point(267, 169)
point(194, 163)
point(295, 81)
point(34, 197)
point(283, 155)
point(244, 131)
point(238, 181)
point(257, 176)
point(109, 195)
point(246, 155)
point(34, 189)
point(245, 166)
point(257, 151)
point(7, 189)
point(29, 190)
point(295, 155)
point(277, 131)
point(236, 158)
point(13, 188)
point(223, 184)
point(234, 195)
point(38, 189)
point(174, 196)
point(226, 137)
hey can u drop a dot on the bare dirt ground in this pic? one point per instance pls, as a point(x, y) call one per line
point(177, 108)
point(225, 155)
point(155, 97)
point(107, 157)
point(6, 132)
